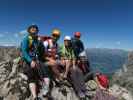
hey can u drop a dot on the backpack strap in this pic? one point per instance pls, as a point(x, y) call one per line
point(30, 41)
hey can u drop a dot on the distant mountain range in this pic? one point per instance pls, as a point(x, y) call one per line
point(106, 60)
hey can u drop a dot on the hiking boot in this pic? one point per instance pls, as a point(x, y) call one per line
point(45, 90)
point(81, 95)
point(63, 91)
point(83, 98)
point(37, 98)
point(89, 95)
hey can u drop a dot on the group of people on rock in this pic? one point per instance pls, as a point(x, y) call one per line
point(44, 59)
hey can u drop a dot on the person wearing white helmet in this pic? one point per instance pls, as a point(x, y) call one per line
point(67, 53)
point(76, 75)
point(67, 38)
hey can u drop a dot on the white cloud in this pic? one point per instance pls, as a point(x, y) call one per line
point(23, 32)
point(6, 32)
point(7, 44)
point(118, 43)
point(99, 45)
point(16, 35)
point(1, 35)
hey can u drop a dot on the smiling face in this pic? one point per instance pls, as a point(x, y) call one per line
point(67, 43)
point(77, 37)
point(55, 37)
point(33, 32)
point(55, 34)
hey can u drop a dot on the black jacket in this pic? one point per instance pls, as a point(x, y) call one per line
point(78, 46)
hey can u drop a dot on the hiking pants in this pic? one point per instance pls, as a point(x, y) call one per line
point(78, 80)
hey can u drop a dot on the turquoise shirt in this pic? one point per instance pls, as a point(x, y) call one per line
point(28, 52)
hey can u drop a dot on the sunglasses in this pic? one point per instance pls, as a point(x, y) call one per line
point(68, 40)
point(54, 35)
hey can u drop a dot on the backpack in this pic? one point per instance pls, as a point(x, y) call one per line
point(50, 48)
point(103, 80)
point(30, 41)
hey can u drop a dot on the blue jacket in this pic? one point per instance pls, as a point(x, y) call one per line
point(28, 48)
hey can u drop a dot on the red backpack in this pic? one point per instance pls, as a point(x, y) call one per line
point(51, 48)
point(103, 80)
point(44, 38)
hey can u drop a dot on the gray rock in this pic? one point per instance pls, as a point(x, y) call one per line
point(125, 77)
point(14, 86)
point(68, 95)
point(121, 92)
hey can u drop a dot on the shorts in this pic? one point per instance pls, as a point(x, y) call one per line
point(35, 74)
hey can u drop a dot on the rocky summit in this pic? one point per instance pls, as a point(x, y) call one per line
point(14, 86)
point(13, 83)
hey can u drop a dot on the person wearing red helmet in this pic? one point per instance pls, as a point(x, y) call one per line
point(77, 44)
point(72, 72)
point(77, 34)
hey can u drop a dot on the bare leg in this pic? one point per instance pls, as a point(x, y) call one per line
point(68, 65)
point(32, 87)
point(46, 86)
point(55, 70)
point(47, 81)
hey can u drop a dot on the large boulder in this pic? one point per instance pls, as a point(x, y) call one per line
point(14, 86)
point(13, 83)
point(8, 53)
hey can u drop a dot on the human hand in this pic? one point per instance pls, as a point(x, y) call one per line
point(33, 64)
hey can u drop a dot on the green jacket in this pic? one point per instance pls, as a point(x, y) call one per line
point(68, 53)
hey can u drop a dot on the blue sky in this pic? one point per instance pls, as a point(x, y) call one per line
point(103, 23)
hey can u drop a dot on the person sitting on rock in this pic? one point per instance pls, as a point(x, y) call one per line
point(31, 55)
point(67, 53)
point(69, 60)
point(102, 92)
point(52, 53)
point(77, 44)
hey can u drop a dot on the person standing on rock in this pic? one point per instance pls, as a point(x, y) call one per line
point(31, 55)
